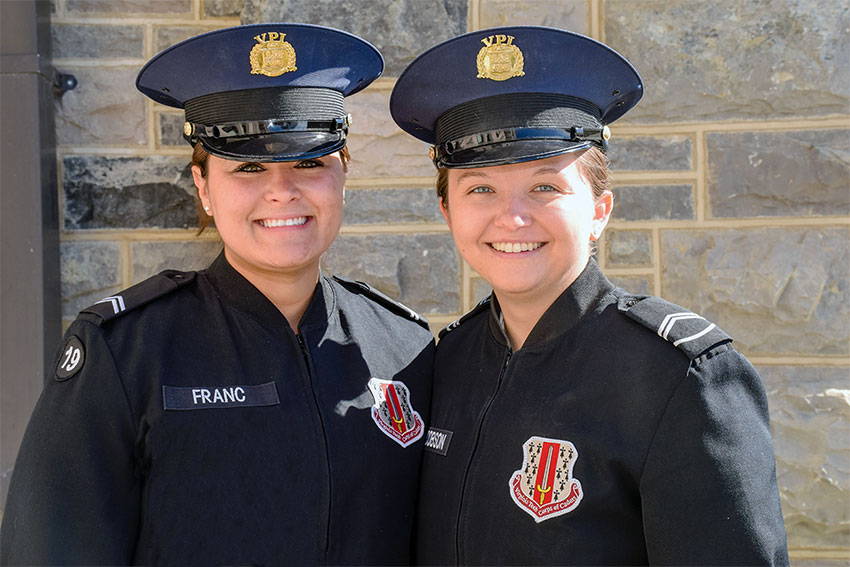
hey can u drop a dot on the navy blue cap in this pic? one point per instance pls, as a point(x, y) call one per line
point(264, 92)
point(512, 94)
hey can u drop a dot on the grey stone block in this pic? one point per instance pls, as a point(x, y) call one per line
point(776, 291)
point(223, 8)
point(123, 7)
point(628, 248)
point(420, 270)
point(480, 290)
point(149, 258)
point(400, 29)
point(565, 14)
point(810, 422)
point(105, 108)
point(97, 41)
point(649, 153)
point(653, 202)
point(378, 147)
point(165, 37)
point(734, 60)
point(779, 173)
point(171, 129)
point(633, 284)
point(128, 192)
point(391, 206)
point(90, 271)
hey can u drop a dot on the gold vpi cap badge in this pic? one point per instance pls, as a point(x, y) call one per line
point(272, 56)
point(499, 59)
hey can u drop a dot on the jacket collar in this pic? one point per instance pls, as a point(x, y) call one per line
point(567, 310)
point(233, 288)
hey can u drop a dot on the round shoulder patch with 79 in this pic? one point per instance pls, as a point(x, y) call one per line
point(71, 360)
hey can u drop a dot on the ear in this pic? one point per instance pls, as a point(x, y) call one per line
point(445, 212)
point(201, 184)
point(601, 214)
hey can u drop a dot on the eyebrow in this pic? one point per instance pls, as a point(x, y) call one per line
point(543, 170)
point(463, 176)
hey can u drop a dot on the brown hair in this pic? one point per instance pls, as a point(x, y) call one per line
point(594, 168)
point(199, 158)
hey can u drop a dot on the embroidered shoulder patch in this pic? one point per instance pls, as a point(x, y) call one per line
point(393, 413)
point(71, 359)
point(544, 487)
point(688, 331)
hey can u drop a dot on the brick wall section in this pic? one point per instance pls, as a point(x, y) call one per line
point(732, 182)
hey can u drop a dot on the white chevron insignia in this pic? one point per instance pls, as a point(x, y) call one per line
point(673, 318)
point(117, 303)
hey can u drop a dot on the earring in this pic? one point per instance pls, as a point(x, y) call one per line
point(206, 209)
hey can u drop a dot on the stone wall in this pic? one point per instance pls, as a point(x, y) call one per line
point(732, 181)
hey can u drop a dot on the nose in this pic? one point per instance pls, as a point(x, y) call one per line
point(282, 185)
point(513, 213)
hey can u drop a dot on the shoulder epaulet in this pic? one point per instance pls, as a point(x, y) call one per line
point(389, 303)
point(688, 331)
point(482, 305)
point(140, 294)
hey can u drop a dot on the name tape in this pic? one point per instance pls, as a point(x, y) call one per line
point(209, 397)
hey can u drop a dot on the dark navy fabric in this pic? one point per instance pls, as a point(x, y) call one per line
point(108, 475)
point(554, 61)
point(219, 62)
point(675, 457)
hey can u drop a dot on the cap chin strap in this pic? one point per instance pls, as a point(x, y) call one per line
point(192, 131)
point(597, 136)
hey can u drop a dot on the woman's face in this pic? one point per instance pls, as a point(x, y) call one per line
point(274, 217)
point(526, 228)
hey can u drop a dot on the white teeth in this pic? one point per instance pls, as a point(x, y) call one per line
point(514, 247)
point(271, 223)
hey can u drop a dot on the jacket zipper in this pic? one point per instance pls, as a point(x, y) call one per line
point(303, 346)
point(475, 449)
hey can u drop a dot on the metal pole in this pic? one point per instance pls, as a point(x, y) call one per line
point(30, 316)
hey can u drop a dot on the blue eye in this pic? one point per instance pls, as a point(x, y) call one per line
point(481, 189)
point(545, 188)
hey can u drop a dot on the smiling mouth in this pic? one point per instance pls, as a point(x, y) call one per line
point(515, 247)
point(274, 223)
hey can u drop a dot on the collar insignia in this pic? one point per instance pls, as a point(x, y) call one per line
point(499, 59)
point(272, 56)
point(544, 487)
point(392, 412)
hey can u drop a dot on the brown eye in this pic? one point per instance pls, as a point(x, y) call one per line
point(250, 167)
point(309, 163)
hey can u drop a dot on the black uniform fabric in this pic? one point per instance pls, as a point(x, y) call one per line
point(268, 456)
point(674, 456)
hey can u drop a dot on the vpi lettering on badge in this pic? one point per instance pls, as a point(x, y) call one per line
point(209, 397)
point(437, 440)
point(218, 395)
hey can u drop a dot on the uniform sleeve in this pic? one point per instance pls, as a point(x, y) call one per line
point(74, 494)
point(708, 488)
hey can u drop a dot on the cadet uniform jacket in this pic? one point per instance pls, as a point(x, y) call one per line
point(598, 442)
point(187, 424)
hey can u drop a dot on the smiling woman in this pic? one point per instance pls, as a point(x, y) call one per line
point(252, 413)
point(572, 422)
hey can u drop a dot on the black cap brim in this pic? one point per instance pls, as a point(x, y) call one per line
point(290, 146)
point(509, 152)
